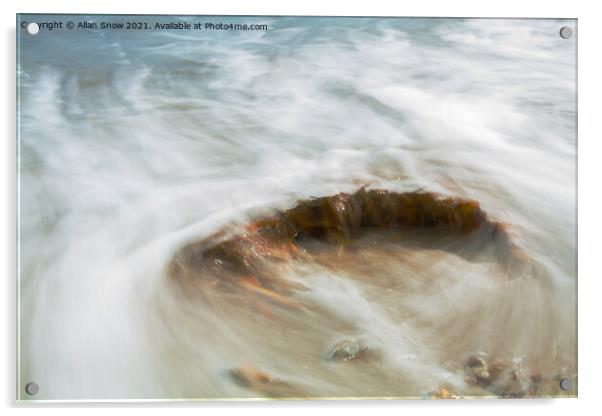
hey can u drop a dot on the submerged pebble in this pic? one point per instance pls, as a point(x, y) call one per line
point(263, 383)
point(441, 393)
point(501, 378)
point(347, 350)
point(478, 370)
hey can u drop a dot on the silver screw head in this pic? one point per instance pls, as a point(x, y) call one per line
point(566, 32)
point(565, 384)
point(32, 389)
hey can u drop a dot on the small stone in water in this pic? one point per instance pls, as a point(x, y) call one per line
point(478, 370)
point(442, 393)
point(346, 350)
point(502, 379)
point(261, 382)
point(248, 375)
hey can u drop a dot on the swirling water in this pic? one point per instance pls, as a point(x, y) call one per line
point(133, 143)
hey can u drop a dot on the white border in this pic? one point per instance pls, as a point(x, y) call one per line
point(590, 275)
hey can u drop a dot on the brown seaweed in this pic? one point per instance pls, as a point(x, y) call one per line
point(242, 261)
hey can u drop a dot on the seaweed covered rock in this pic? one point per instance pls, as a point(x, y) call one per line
point(384, 209)
point(245, 260)
point(335, 218)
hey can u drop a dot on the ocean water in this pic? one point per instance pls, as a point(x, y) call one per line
point(133, 144)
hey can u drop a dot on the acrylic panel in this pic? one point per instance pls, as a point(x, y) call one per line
point(280, 207)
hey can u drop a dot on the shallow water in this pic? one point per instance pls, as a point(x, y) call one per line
point(132, 145)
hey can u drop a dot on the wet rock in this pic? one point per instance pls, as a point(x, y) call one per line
point(264, 384)
point(384, 209)
point(347, 350)
point(248, 376)
point(503, 379)
point(229, 264)
point(442, 393)
point(335, 218)
point(477, 370)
